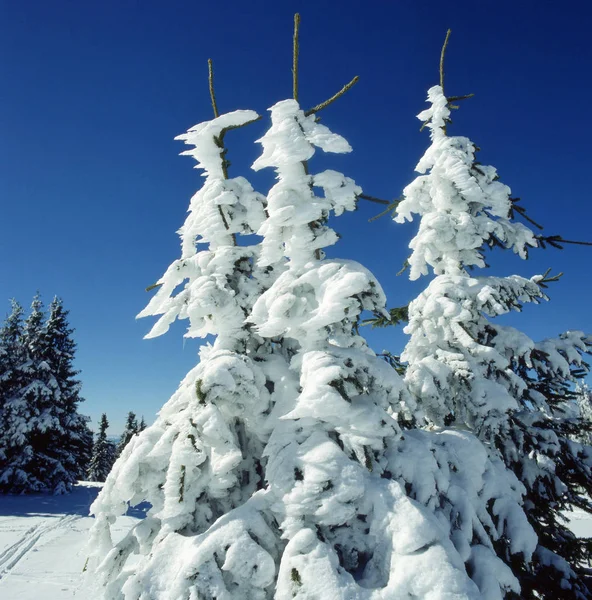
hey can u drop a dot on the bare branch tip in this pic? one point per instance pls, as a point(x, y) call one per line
point(442, 54)
point(295, 51)
point(390, 208)
point(340, 93)
point(211, 86)
point(374, 199)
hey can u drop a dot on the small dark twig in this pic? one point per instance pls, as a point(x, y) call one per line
point(406, 265)
point(231, 127)
point(442, 60)
point(211, 84)
point(295, 50)
point(153, 287)
point(220, 143)
point(557, 240)
point(374, 199)
point(545, 279)
point(425, 124)
point(343, 90)
point(225, 221)
point(219, 139)
point(389, 209)
point(575, 242)
point(457, 98)
point(522, 212)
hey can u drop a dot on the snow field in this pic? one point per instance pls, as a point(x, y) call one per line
point(43, 544)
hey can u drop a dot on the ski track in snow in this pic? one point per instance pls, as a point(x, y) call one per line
point(43, 542)
point(13, 555)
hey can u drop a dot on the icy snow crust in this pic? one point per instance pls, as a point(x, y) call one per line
point(279, 468)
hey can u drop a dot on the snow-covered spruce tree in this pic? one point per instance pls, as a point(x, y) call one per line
point(103, 453)
point(130, 429)
point(467, 372)
point(539, 444)
point(48, 441)
point(200, 465)
point(142, 425)
point(71, 439)
point(30, 414)
point(13, 408)
point(11, 352)
point(339, 467)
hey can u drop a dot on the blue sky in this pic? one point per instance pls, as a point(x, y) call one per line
point(93, 93)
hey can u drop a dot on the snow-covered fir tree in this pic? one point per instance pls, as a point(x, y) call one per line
point(279, 469)
point(31, 414)
point(103, 453)
point(46, 441)
point(539, 444)
point(11, 352)
point(466, 371)
point(338, 459)
point(14, 411)
point(71, 439)
point(142, 425)
point(131, 428)
point(200, 464)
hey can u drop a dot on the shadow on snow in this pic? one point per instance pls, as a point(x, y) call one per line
point(77, 502)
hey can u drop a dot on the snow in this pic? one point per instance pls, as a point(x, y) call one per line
point(461, 205)
point(207, 152)
point(292, 137)
point(580, 523)
point(43, 542)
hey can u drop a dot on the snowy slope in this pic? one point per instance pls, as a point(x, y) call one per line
point(42, 543)
point(43, 539)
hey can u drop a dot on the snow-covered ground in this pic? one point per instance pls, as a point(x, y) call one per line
point(580, 523)
point(42, 543)
point(43, 538)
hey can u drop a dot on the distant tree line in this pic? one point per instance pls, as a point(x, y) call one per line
point(46, 445)
point(105, 452)
point(45, 442)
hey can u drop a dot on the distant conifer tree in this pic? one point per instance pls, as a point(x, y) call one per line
point(103, 453)
point(130, 429)
point(14, 411)
point(72, 438)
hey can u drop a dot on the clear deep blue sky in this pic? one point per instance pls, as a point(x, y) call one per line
point(92, 94)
